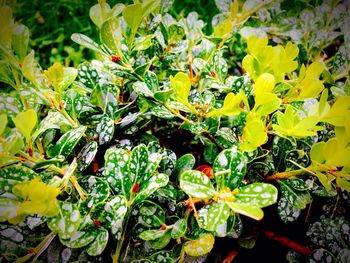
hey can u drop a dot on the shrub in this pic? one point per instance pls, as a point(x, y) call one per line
point(171, 140)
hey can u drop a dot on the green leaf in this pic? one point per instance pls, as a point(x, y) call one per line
point(200, 246)
point(212, 217)
point(179, 229)
point(196, 184)
point(161, 242)
point(229, 168)
point(12, 175)
point(257, 194)
point(67, 142)
point(20, 40)
point(151, 214)
point(82, 237)
point(86, 155)
point(99, 13)
point(152, 234)
point(111, 34)
point(133, 16)
point(163, 95)
point(99, 244)
point(67, 222)
point(149, 187)
point(117, 171)
point(247, 210)
point(25, 123)
point(143, 42)
point(184, 163)
point(105, 130)
point(138, 163)
point(87, 42)
point(176, 33)
point(8, 208)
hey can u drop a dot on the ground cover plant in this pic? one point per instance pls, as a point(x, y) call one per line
point(180, 142)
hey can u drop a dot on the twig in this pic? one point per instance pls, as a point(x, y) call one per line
point(285, 241)
point(230, 257)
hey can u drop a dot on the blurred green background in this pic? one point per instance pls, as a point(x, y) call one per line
point(52, 22)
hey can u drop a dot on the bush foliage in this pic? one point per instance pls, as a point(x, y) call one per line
point(180, 133)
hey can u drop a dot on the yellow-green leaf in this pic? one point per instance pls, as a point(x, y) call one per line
point(251, 211)
point(25, 122)
point(3, 123)
point(133, 15)
point(181, 85)
point(343, 183)
point(201, 246)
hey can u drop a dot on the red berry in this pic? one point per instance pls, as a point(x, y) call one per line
point(206, 169)
point(135, 188)
point(116, 59)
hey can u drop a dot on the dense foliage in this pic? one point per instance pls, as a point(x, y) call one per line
point(178, 136)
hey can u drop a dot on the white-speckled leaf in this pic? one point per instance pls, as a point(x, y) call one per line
point(153, 163)
point(82, 237)
point(67, 142)
point(86, 155)
point(161, 112)
point(98, 191)
point(151, 81)
point(104, 213)
point(149, 187)
point(12, 175)
point(152, 234)
point(229, 168)
point(66, 222)
point(257, 194)
point(99, 244)
point(286, 211)
point(117, 171)
point(298, 199)
point(196, 184)
point(142, 89)
point(76, 103)
point(53, 120)
point(138, 163)
point(119, 203)
point(212, 216)
point(151, 214)
point(8, 208)
point(179, 228)
point(105, 130)
point(184, 163)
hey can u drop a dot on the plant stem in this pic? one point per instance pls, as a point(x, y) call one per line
point(122, 238)
point(69, 118)
point(38, 250)
point(177, 114)
point(230, 257)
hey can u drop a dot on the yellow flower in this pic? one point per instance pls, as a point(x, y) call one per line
point(38, 197)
